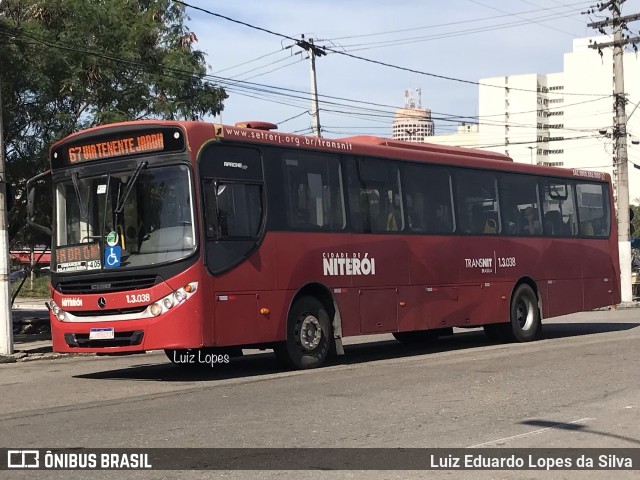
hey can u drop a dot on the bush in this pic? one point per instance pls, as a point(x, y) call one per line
point(40, 287)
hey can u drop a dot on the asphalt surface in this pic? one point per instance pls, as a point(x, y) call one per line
point(579, 387)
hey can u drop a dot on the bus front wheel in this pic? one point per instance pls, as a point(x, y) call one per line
point(308, 335)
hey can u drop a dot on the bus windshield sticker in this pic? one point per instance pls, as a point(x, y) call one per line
point(112, 257)
point(71, 266)
point(112, 239)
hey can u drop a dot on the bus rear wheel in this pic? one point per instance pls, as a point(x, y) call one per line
point(525, 315)
point(524, 324)
point(308, 335)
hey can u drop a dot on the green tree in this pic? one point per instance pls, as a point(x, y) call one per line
point(635, 223)
point(71, 64)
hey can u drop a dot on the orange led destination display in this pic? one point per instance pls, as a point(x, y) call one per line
point(80, 253)
point(119, 147)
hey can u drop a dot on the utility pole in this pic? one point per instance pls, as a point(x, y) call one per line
point(313, 51)
point(621, 166)
point(6, 325)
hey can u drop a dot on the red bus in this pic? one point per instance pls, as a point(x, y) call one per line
point(191, 237)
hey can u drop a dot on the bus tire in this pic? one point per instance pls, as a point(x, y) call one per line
point(308, 335)
point(525, 315)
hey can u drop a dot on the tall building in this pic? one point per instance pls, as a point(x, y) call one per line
point(561, 119)
point(412, 123)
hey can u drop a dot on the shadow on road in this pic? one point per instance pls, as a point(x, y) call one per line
point(580, 428)
point(260, 364)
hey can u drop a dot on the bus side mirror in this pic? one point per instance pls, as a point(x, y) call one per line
point(31, 196)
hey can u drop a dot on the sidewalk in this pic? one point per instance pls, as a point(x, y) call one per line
point(27, 303)
point(31, 334)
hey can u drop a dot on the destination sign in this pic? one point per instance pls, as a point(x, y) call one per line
point(118, 143)
point(77, 253)
point(117, 148)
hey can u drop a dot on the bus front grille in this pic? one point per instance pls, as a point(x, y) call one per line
point(108, 285)
point(121, 339)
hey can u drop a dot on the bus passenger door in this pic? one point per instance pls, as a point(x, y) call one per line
point(378, 310)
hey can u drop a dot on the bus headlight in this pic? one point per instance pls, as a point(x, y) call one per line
point(179, 295)
point(155, 309)
point(172, 300)
point(57, 311)
point(167, 302)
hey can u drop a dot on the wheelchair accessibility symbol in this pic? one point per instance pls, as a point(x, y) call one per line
point(112, 257)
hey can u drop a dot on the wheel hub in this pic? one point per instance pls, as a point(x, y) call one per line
point(310, 333)
point(524, 312)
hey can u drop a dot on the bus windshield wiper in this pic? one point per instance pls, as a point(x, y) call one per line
point(84, 215)
point(129, 186)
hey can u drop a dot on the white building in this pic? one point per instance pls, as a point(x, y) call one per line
point(467, 135)
point(412, 123)
point(559, 119)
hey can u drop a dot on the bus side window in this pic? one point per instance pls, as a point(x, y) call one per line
point(520, 204)
point(593, 209)
point(427, 190)
point(558, 195)
point(381, 195)
point(314, 193)
point(477, 198)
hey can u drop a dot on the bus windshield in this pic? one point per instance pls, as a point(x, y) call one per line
point(127, 219)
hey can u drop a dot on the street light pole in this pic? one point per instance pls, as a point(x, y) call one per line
point(531, 151)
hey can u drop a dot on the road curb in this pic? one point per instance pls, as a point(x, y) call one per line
point(39, 355)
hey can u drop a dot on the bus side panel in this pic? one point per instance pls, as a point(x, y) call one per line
point(432, 267)
point(563, 258)
point(348, 301)
point(479, 293)
point(235, 311)
point(236, 319)
point(412, 314)
point(322, 258)
point(597, 275)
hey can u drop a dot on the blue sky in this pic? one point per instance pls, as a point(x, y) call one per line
point(465, 39)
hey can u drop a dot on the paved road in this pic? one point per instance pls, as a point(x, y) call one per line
point(580, 387)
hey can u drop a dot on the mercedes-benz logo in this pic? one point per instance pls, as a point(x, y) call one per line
point(102, 302)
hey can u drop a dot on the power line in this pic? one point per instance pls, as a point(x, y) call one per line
point(517, 16)
point(240, 87)
point(440, 36)
point(247, 62)
point(369, 60)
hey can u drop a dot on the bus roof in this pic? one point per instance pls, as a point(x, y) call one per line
point(266, 133)
point(426, 147)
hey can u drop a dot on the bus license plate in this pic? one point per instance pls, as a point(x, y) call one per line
point(101, 333)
